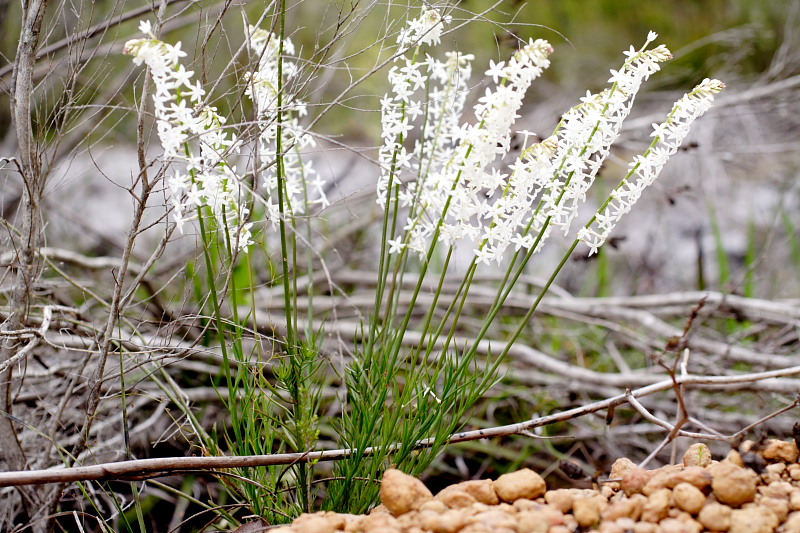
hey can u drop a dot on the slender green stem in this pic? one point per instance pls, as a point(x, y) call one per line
point(291, 339)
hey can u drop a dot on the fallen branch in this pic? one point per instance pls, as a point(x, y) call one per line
point(149, 468)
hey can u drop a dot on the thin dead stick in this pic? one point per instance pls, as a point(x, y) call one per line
point(744, 430)
point(39, 334)
point(149, 468)
point(89, 33)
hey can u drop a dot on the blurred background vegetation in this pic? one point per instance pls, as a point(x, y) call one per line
point(746, 43)
point(735, 40)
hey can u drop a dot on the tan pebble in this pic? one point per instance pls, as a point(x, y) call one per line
point(435, 505)
point(447, 522)
point(676, 525)
point(523, 483)
point(746, 446)
point(698, 454)
point(379, 520)
point(355, 524)
point(625, 508)
point(413, 518)
point(472, 528)
point(794, 471)
point(660, 480)
point(539, 521)
point(657, 506)
point(560, 499)
point(312, 524)
point(386, 529)
point(677, 513)
point(635, 479)
point(570, 522)
point(621, 466)
point(610, 527)
point(482, 490)
point(778, 450)
point(735, 458)
point(768, 477)
point(778, 489)
point(777, 468)
point(715, 516)
point(670, 469)
point(553, 516)
point(281, 529)
point(626, 523)
point(337, 520)
point(607, 492)
point(794, 499)
point(753, 520)
point(778, 506)
point(792, 524)
point(480, 507)
point(531, 522)
point(693, 475)
point(524, 504)
point(455, 498)
point(645, 527)
point(586, 511)
point(421, 517)
point(401, 493)
point(688, 497)
point(733, 485)
point(506, 508)
point(496, 519)
point(559, 529)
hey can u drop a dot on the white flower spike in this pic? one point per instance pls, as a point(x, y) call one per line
point(644, 169)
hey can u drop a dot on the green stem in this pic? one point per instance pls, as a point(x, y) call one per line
point(291, 340)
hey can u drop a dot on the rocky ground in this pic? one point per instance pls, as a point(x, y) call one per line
point(754, 490)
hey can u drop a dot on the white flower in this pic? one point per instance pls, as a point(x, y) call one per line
point(427, 29)
point(395, 246)
point(496, 71)
point(146, 28)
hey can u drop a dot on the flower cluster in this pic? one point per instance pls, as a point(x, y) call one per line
point(476, 185)
point(458, 191)
point(585, 136)
point(453, 182)
point(427, 29)
point(193, 134)
point(266, 87)
point(644, 169)
point(445, 83)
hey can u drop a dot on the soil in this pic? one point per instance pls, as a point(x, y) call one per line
point(753, 490)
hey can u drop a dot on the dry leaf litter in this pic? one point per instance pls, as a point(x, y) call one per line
point(700, 495)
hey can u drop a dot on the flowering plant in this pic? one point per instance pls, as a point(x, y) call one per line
point(441, 188)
